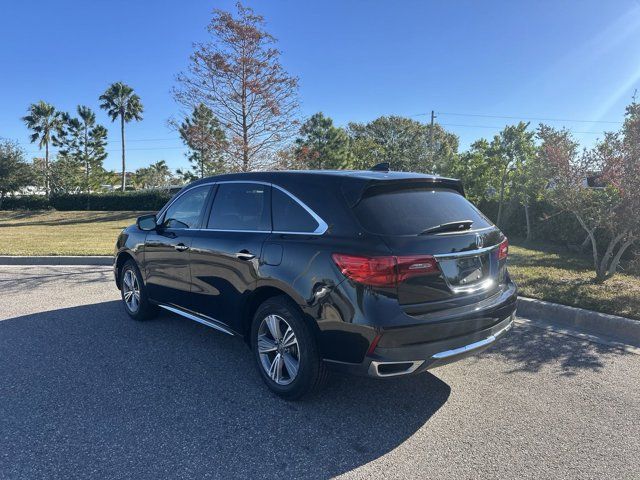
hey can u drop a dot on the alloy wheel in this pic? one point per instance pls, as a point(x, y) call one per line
point(131, 290)
point(278, 349)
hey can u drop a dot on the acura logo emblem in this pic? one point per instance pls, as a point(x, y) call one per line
point(479, 240)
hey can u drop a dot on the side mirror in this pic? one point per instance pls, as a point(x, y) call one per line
point(146, 222)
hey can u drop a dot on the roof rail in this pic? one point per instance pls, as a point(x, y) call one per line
point(381, 167)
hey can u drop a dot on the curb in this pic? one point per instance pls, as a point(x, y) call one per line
point(622, 329)
point(56, 260)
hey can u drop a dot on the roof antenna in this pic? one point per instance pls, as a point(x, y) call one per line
point(381, 167)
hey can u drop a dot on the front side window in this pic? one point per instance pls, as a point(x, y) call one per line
point(241, 206)
point(289, 215)
point(186, 210)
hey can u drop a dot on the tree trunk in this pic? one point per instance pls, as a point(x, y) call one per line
point(245, 140)
point(86, 168)
point(245, 129)
point(124, 176)
point(604, 261)
point(613, 266)
point(46, 169)
point(87, 184)
point(502, 185)
point(528, 220)
point(594, 247)
point(585, 242)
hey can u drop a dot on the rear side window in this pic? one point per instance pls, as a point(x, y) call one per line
point(241, 206)
point(186, 210)
point(289, 216)
point(411, 211)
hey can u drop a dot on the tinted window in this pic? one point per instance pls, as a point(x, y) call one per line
point(411, 211)
point(186, 210)
point(289, 216)
point(241, 206)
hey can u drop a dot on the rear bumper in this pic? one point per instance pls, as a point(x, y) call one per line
point(417, 358)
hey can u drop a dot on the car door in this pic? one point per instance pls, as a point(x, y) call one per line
point(225, 255)
point(166, 251)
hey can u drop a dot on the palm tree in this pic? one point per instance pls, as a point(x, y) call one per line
point(46, 124)
point(119, 100)
point(160, 172)
point(94, 139)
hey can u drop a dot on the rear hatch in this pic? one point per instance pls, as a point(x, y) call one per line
point(448, 253)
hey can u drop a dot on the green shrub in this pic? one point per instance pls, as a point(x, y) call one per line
point(26, 202)
point(136, 200)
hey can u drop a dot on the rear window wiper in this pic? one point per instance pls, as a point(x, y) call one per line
point(458, 225)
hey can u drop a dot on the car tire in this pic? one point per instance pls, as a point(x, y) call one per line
point(134, 293)
point(285, 349)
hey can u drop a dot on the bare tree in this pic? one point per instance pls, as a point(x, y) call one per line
point(238, 75)
point(609, 211)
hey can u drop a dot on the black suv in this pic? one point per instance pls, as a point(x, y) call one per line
point(374, 273)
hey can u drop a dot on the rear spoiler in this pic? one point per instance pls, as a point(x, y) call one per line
point(355, 191)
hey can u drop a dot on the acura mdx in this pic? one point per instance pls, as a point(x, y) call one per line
point(369, 272)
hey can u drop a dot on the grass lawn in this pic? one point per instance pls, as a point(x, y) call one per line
point(542, 271)
point(61, 233)
point(554, 274)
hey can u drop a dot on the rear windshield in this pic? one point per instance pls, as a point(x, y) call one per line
point(411, 211)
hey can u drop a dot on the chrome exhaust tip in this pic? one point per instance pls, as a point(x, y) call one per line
point(393, 369)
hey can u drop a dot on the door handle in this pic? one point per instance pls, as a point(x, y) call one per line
point(245, 255)
point(181, 247)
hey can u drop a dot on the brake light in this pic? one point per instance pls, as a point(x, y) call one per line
point(375, 271)
point(503, 249)
point(385, 271)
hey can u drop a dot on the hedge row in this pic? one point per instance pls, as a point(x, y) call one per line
point(547, 223)
point(25, 202)
point(153, 200)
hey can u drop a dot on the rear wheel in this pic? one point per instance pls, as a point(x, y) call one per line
point(134, 295)
point(285, 349)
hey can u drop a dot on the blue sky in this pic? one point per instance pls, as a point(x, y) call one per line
point(357, 60)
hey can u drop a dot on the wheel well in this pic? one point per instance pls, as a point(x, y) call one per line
point(257, 297)
point(120, 261)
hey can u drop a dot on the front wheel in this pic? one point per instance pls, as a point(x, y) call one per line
point(134, 294)
point(285, 349)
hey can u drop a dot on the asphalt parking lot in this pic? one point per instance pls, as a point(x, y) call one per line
point(85, 392)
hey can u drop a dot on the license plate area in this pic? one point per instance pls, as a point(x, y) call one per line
point(467, 272)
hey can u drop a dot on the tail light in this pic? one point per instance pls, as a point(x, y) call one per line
point(385, 271)
point(503, 249)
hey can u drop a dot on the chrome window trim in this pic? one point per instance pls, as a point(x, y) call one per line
point(232, 231)
point(322, 225)
point(320, 230)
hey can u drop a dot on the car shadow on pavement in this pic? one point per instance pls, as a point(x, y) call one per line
point(86, 392)
point(529, 348)
point(49, 275)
